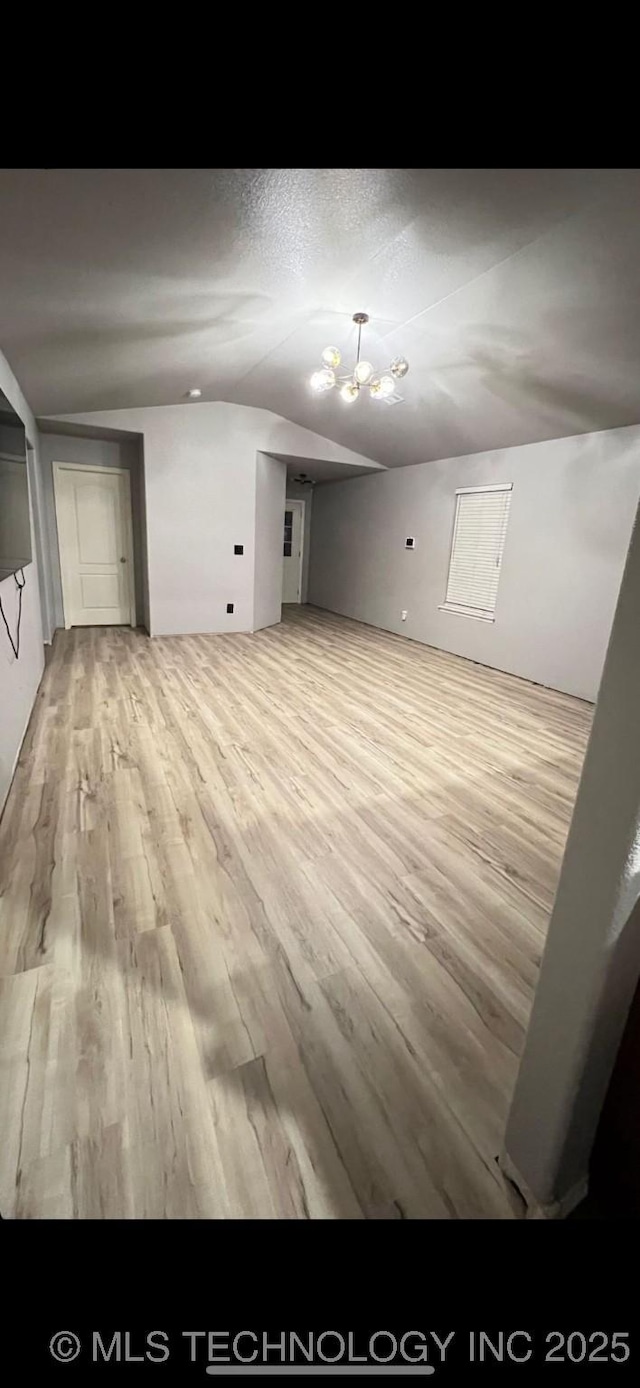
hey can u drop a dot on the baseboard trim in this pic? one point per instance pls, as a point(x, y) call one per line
point(455, 655)
point(537, 1209)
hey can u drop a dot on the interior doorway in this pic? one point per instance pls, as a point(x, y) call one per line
point(292, 551)
point(95, 537)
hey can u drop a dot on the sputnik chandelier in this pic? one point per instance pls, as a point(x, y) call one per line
point(380, 387)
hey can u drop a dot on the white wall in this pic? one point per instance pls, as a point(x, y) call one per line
point(271, 478)
point(19, 679)
point(572, 509)
point(200, 483)
point(592, 957)
point(297, 492)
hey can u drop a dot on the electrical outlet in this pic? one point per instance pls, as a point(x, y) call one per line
point(238, 549)
point(403, 614)
point(229, 607)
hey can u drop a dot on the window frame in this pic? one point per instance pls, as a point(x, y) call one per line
point(458, 609)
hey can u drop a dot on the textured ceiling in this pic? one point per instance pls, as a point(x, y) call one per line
point(514, 294)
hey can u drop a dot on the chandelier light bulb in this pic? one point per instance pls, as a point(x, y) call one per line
point(323, 380)
point(331, 357)
point(351, 379)
point(363, 371)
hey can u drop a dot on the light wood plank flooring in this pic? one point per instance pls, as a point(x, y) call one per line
point(271, 914)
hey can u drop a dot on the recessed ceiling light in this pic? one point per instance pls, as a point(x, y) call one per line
point(194, 394)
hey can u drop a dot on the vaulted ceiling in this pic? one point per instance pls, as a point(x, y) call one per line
point(514, 294)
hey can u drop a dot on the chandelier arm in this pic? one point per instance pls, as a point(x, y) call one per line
point(350, 377)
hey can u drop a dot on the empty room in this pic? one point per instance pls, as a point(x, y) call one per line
point(319, 672)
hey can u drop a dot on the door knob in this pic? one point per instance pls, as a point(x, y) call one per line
point(123, 560)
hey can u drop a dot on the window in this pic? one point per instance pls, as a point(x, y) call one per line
point(479, 532)
point(288, 533)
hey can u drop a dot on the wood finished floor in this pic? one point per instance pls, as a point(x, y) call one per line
point(271, 914)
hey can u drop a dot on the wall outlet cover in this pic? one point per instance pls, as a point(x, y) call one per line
point(229, 607)
point(410, 542)
point(238, 549)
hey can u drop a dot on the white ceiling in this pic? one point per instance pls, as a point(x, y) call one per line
point(514, 294)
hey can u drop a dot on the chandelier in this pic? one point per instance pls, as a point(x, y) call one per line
point(362, 376)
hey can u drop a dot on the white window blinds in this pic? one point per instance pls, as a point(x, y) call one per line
point(479, 533)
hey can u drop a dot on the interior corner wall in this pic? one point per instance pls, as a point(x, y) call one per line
point(297, 492)
point(271, 478)
point(19, 679)
point(67, 448)
point(572, 509)
point(200, 495)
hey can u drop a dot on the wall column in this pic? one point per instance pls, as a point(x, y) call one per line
point(591, 962)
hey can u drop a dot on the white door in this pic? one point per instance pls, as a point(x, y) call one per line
point(292, 551)
point(93, 510)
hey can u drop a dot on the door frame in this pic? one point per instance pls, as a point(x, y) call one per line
point(290, 501)
point(58, 468)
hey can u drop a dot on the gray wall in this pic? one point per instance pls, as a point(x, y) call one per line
point(200, 483)
point(592, 955)
point(299, 493)
point(572, 509)
point(271, 477)
point(19, 679)
point(64, 448)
